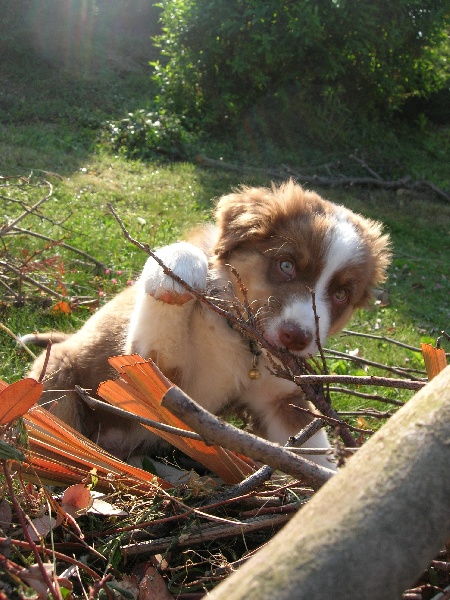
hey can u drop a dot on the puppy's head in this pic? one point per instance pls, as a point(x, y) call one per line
point(291, 247)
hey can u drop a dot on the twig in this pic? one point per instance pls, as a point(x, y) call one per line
point(124, 414)
point(366, 167)
point(366, 412)
point(371, 363)
point(54, 591)
point(377, 397)
point(361, 380)
point(29, 279)
point(207, 533)
point(331, 421)
point(100, 584)
point(47, 358)
point(18, 340)
point(90, 258)
point(221, 433)
point(375, 181)
point(28, 211)
point(382, 338)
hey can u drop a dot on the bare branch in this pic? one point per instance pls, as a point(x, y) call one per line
point(28, 211)
point(358, 380)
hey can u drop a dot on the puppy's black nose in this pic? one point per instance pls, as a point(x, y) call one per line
point(293, 337)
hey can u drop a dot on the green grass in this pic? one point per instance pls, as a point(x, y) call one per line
point(51, 124)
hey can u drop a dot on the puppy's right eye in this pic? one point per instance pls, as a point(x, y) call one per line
point(287, 267)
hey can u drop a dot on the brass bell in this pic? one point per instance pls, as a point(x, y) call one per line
point(254, 373)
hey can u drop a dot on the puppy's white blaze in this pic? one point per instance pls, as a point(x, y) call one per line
point(185, 260)
point(343, 247)
point(300, 311)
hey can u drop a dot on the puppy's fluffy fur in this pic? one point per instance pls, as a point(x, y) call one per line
point(283, 242)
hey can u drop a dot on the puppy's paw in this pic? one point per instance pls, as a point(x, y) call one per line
point(186, 261)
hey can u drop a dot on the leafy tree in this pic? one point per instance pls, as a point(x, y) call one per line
point(218, 58)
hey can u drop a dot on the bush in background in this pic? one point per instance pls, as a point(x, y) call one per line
point(339, 57)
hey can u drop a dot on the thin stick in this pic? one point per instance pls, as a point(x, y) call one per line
point(28, 211)
point(382, 338)
point(207, 533)
point(17, 339)
point(335, 422)
point(361, 380)
point(371, 363)
point(55, 592)
point(61, 244)
point(124, 414)
point(221, 433)
point(377, 397)
point(40, 286)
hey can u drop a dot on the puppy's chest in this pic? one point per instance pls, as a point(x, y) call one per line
point(216, 368)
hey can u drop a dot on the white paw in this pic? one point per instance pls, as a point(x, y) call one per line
point(186, 261)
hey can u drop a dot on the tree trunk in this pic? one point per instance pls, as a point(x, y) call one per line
point(369, 532)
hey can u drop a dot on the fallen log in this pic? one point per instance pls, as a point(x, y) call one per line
point(369, 532)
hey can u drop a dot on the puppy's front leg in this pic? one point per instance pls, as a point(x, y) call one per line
point(186, 261)
point(160, 314)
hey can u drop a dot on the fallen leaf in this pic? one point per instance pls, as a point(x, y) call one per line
point(16, 399)
point(5, 515)
point(41, 527)
point(77, 499)
point(153, 586)
point(61, 307)
point(101, 507)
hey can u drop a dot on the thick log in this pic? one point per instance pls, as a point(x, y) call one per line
point(369, 532)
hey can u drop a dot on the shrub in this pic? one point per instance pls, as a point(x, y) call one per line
point(220, 58)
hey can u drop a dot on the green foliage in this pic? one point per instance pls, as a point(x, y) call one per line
point(220, 58)
point(149, 134)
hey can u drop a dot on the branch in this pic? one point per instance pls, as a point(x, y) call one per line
point(361, 380)
point(54, 590)
point(221, 433)
point(29, 279)
point(374, 181)
point(206, 533)
point(376, 502)
point(124, 414)
point(376, 397)
point(99, 264)
point(28, 211)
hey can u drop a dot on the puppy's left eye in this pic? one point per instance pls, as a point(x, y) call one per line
point(341, 296)
point(287, 267)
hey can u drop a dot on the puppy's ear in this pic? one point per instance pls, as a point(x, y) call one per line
point(240, 217)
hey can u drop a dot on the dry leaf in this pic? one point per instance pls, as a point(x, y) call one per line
point(5, 515)
point(76, 500)
point(130, 583)
point(435, 360)
point(101, 507)
point(140, 390)
point(34, 578)
point(41, 526)
point(62, 307)
point(16, 399)
point(153, 586)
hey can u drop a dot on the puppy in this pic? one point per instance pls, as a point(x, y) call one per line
point(284, 243)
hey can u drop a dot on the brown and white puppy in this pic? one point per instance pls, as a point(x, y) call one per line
point(284, 242)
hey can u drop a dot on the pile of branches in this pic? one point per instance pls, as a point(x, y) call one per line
point(189, 537)
point(33, 275)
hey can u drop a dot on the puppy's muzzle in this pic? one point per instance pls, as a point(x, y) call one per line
point(293, 337)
